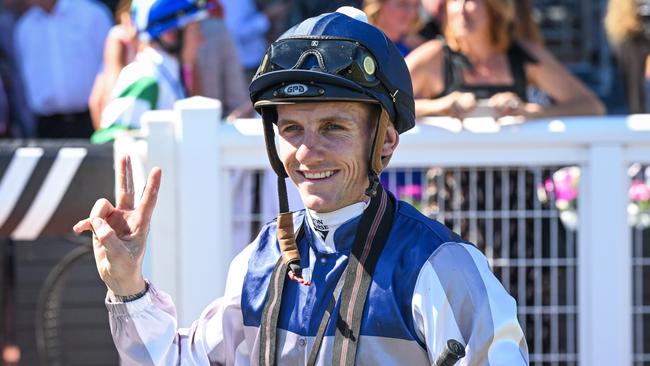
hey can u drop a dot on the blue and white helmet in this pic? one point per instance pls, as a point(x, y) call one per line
point(154, 17)
point(336, 56)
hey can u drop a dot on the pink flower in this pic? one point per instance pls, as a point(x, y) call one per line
point(413, 191)
point(566, 181)
point(639, 192)
point(548, 185)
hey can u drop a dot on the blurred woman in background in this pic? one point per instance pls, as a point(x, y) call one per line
point(482, 63)
point(398, 19)
point(627, 23)
point(525, 26)
point(120, 48)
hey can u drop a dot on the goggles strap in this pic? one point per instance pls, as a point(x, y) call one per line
point(315, 53)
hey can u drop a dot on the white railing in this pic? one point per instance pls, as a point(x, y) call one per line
point(191, 230)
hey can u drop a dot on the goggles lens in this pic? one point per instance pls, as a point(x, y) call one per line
point(344, 58)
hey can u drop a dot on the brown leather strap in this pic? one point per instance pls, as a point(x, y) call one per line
point(378, 143)
point(286, 238)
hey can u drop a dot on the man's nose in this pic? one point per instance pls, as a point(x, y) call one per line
point(310, 148)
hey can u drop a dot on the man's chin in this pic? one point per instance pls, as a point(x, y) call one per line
point(321, 203)
point(317, 203)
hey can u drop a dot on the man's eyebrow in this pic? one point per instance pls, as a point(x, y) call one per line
point(337, 119)
point(324, 119)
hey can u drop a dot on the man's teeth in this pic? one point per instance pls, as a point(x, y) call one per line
point(319, 175)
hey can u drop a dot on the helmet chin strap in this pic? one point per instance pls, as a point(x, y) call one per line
point(376, 162)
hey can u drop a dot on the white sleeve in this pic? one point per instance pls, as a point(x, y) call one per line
point(457, 297)
point(145, 330)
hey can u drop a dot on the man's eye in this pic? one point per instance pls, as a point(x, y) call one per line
point(333, 127)
point(289, 128)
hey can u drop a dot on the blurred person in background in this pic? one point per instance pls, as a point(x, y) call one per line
point(280, 24)
point(434, 10)
point(482, 64)
point(303, 9)
point(16, 119)
point(398, 19)
point(527, 29)
point(627, 23)
point(4, 100)
point(16, 8)
point(59, 47)
point(248, 26)
point(525, 25)
point(119, 50)
point(153, 80)
point(219, 73)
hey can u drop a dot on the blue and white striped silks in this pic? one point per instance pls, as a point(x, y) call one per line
point(428, 287)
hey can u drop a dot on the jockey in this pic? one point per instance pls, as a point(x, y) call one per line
point(154, 79)
point(357, 277)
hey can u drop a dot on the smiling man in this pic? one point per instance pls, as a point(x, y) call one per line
point(324, 150)
point(358, 277)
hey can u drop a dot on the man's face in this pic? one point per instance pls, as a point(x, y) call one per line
point(324, 148)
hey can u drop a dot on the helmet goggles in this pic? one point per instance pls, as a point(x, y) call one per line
point(335, 56)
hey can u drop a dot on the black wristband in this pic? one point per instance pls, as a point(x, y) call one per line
point(129, 298)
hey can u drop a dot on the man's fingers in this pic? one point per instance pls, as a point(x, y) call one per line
point(125, 187)
point(150, 195)
point(104, 233)
point(81, 226)
point(102, 208)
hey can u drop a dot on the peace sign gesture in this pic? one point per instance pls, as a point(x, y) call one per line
point(120, 232)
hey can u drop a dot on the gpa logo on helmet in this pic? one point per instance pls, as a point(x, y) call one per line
point(295, 89)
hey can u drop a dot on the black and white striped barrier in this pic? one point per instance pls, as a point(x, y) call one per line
point(46, 186)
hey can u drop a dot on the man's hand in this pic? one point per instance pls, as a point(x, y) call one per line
point(120, 233)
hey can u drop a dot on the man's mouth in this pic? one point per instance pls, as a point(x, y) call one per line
point(317, 175)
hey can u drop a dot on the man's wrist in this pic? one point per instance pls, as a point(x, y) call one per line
point(131, 297)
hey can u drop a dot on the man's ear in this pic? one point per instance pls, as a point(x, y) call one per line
point(390, 141)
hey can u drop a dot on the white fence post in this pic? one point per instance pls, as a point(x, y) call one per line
point(204, 237)
point(605, 260)
point(158, 127)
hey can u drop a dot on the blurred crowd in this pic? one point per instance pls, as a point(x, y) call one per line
point(78, 68)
